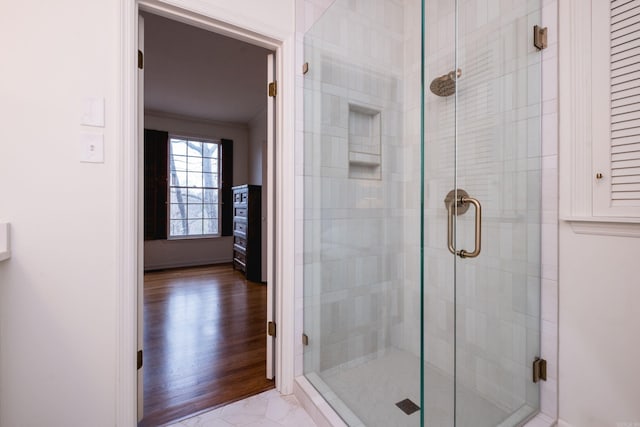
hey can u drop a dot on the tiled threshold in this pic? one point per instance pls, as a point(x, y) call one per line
point(268, 409)
point(324, 415)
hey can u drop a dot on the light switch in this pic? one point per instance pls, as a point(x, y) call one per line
point(92, 147)
point(92, 112)
point(5, 241)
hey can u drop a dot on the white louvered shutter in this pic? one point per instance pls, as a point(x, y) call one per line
point(616, 108)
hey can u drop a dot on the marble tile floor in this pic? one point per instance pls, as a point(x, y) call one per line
point(268, 409)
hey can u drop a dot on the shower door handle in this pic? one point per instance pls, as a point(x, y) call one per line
point(462, 201)
point(478, 240)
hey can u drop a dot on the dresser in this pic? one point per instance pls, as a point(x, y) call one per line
point(247, 233)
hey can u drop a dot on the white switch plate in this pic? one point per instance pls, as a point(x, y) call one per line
point(92, 112)
point(5, 241)
point(92, 147)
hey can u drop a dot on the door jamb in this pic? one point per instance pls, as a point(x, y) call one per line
point(127, 199)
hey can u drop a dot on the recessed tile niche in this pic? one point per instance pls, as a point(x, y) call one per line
point(364, 143)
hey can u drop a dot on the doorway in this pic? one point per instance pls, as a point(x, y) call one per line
point(203, 92)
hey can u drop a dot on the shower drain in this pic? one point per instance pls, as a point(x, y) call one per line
point(407, 406)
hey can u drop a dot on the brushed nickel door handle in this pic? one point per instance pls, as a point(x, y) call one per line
point(462, 200)
point(478, 235)
point(450, 213)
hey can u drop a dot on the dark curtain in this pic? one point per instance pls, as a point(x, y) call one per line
point(156, 156)
point(227, 183)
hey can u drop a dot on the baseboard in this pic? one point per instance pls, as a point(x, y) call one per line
point(196, 263)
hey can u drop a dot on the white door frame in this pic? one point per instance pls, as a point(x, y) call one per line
point(281, 271)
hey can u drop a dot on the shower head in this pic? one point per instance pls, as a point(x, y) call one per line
point(445, 85)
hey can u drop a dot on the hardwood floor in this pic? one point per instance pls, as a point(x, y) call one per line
point(204, 341)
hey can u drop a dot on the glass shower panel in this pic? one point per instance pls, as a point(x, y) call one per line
point(422, 158)
point(498, 163)
point(362, 210)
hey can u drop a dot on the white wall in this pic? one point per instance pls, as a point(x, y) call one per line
point(57, 293)
point(58, 302)
point(257, 143)
point(159, 254)
point(257, 165)
point(599, 285)
point(599, 329)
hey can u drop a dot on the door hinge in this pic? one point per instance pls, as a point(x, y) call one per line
point(139, 359)
point(305, 339)
point(140, 59)
point(539, 37)
point(305, 68)
point(271, 329)
point(539, 370)
point(273, 89)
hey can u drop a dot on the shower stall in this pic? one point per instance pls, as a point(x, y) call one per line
point(422, 171)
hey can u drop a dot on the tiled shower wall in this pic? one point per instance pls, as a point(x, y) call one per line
point(438, 304)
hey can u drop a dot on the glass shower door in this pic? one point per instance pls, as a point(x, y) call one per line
point(492, 210)
point(421, 211)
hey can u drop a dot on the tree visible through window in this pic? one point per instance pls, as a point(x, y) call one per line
point(194, 187)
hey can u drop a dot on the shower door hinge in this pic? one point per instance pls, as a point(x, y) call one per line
point(273, 89)
point(140, 59)
point(305, 339)
point(139, 359)
point(271, 329)
point(539, 370)
point(539, 37)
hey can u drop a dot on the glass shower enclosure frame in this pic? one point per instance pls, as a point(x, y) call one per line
point(422, 210)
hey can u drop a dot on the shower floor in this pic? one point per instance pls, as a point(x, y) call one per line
point(366, 395)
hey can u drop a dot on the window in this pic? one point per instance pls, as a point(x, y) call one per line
point(194, 188)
